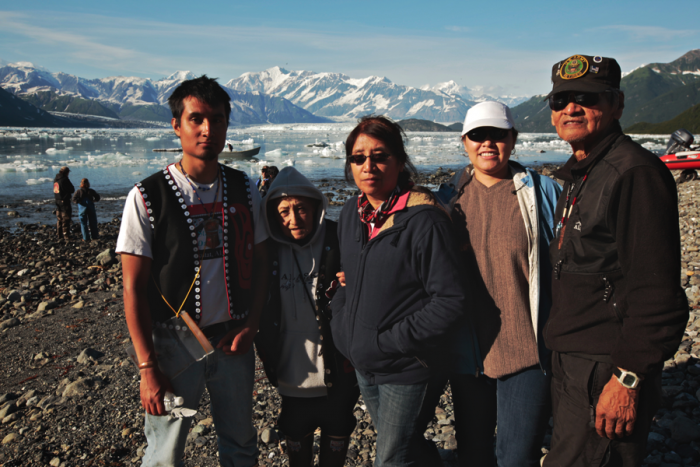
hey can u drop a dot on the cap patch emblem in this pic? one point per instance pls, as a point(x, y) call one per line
point(574, 67)
point(597, 59)
point(595, 69)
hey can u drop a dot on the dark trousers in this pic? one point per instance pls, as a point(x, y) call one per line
point(63, 221)
point(576, 387)
point(520, 405)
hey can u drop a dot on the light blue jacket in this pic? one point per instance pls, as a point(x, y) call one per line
point(537, 197)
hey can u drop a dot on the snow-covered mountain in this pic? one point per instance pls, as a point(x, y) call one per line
point(476, 94)
point(142, 98)
point(341, 97)
point(331, 95)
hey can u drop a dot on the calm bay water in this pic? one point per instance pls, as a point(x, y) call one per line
point(113, 160)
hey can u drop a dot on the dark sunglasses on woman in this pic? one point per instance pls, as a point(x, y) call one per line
point(560, 100)
point(376, 158)
point(481, 134)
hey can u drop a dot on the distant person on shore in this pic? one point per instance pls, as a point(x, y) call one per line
point(86, 198)
point(317, 384)
point(504, 217)
point(62, 191)
point(192, 239)
point(618, 308)
point(404, 292)
point(267, 176)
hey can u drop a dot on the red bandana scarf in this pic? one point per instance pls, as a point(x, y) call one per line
point(369, 215)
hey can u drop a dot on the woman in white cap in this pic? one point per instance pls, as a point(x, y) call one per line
point(504, 218)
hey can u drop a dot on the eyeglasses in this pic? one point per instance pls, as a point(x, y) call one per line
point(483, 133)
point(560, 100)
point(376, 158)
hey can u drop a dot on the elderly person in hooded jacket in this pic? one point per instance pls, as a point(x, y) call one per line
point(317, 385)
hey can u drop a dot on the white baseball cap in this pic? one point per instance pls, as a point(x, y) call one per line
point(488, 113)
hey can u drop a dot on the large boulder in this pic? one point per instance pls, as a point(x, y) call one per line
point(107, 257)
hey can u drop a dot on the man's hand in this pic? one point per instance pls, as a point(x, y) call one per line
point(616, 411)
point(154, 385)
point(239, 340)
point(341, 278)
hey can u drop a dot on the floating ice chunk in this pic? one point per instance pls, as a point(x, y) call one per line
point(289, 162)
point(274, 153)
point(136, 173)
point(51, 151)
point(37, 181)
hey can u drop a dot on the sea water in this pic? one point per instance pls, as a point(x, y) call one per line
point(114, 159)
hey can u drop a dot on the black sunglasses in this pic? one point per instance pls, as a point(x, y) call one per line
point(483, 133)
point(376, 158)
point(560, 100)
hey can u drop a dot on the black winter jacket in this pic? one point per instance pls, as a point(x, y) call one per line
point(83, 193)
point(616, 291)
point(404, 292)
point(62, 191)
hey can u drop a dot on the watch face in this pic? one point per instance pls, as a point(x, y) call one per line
point(629, 380)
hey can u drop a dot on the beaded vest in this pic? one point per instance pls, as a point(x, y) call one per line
point(176, 255)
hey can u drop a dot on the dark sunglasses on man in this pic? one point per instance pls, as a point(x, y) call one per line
point(483, 133)
point(376, 158)
point(560, 100)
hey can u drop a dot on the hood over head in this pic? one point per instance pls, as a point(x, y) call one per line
point(290, 182)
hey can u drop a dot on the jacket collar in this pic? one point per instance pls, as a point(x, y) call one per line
point(574, 168)
point(518, 171)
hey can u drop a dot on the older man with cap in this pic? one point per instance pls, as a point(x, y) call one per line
point(618, 309)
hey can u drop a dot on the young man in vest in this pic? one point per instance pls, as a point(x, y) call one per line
point(191, 240)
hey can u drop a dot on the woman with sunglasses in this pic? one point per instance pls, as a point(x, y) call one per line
point(403, 291)
point(504, 218)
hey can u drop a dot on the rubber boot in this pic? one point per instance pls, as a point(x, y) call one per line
point(333, 451)
point(301, 452)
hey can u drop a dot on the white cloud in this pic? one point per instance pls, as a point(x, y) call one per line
point(643, 33)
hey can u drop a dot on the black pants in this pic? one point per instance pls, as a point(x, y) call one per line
point(333, 414)
point(576, 386)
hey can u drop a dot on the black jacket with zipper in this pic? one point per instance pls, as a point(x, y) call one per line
point(616, 291)
point(404, 292)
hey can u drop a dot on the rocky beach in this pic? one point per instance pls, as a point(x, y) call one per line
point(69, 395)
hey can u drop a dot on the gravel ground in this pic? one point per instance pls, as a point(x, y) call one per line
point(70, 397)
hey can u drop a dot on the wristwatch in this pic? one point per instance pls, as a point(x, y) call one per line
point(626, 378)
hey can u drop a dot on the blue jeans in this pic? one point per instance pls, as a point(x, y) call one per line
point(229, 380)
point(88, 215)
point(400, 414)
point(521, 406)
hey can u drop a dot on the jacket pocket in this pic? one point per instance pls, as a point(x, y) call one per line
point(366, 353)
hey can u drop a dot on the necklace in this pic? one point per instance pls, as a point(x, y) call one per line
point(216, 197)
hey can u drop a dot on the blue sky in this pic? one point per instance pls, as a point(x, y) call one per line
point(510, 45)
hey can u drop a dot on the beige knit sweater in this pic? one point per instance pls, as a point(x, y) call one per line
point(494, 239)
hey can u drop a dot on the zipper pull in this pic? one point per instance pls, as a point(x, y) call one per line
point(557, 269)
point(607, 293)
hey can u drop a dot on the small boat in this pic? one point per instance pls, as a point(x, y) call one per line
point(680, 155)
point(682, 160)
point(224, 154)
point(240, 154)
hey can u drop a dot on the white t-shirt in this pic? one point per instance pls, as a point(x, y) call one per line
point(136, 237)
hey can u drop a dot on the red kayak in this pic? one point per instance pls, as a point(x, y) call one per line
point(682, 160)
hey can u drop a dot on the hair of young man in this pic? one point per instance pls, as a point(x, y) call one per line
point(64, 170)
point(203, 89)
point(85, 183)
point(388, 132)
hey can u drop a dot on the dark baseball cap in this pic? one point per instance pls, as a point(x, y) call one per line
point(585, 73)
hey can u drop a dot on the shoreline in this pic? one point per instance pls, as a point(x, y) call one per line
point(70, 396)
